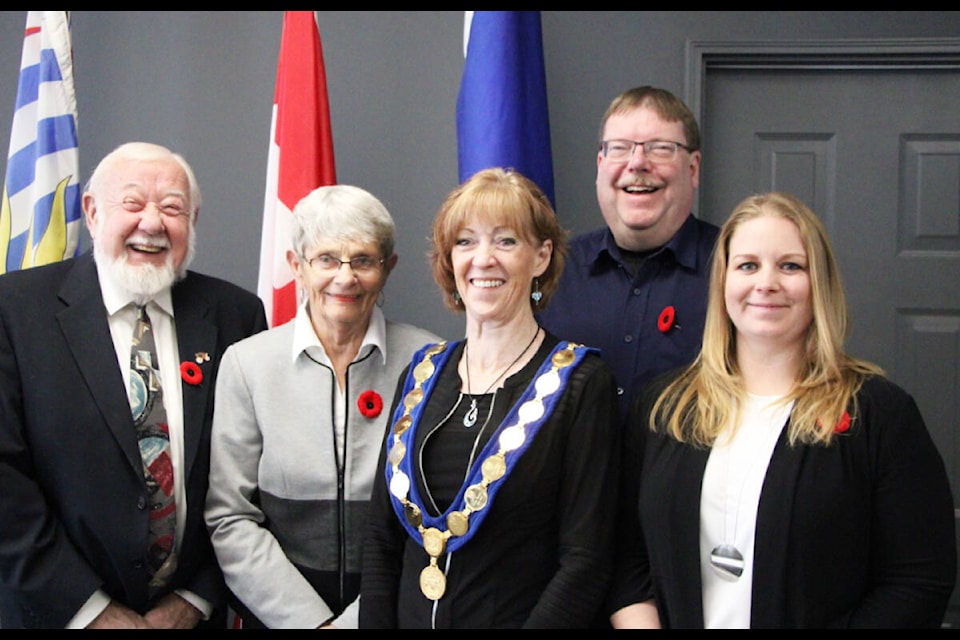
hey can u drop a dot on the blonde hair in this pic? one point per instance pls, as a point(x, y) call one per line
point(706, 397)
point(499, 196)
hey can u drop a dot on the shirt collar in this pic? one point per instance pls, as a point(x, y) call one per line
point(116, 297)
point(305, 339)
point(683, 246)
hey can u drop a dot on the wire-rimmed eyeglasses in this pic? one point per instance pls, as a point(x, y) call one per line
point(654, 150)
point(361, 265)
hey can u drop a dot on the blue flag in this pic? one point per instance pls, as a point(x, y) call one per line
point(502, 118)
point(40, 217)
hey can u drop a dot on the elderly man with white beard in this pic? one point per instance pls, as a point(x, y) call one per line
point(108, 365)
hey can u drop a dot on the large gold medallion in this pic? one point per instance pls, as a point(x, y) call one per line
point(432, 582)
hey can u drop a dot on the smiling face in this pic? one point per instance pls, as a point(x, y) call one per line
point(141, 222)
point(768, 289)
point(341, 297)
point(644, 203)
point(493, 266)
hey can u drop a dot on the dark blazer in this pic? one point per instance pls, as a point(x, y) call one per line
point(857, 534)
point(73, 492)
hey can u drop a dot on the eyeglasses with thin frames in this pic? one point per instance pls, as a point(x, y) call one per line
point(360, 265)
point(653, 150)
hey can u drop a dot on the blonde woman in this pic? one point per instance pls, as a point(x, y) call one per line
point(781, 482)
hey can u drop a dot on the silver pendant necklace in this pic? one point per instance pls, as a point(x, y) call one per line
point(470, 418)
point(725, 557)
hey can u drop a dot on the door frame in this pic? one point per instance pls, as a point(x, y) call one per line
point(702, 56)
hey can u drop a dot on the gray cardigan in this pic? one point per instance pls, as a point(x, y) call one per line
point(284, 520)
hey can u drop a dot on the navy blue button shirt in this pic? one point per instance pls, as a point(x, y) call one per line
point(600, 304)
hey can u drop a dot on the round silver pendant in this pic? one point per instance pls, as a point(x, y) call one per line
point(727, 560)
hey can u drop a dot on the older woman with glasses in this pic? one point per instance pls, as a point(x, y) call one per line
point(300, 415)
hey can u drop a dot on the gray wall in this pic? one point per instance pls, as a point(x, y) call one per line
point(202, 83)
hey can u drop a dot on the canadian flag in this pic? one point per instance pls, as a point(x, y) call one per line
point(300, 157)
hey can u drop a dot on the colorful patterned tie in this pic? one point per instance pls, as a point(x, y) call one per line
point(150, 418)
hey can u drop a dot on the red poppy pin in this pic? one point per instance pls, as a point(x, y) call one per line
point(370, 403)
point(191, 373)
point(667, 319)
point(844, 423)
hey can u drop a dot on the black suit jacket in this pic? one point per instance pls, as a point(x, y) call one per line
point(73, 496)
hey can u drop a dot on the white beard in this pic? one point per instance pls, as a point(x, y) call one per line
point(143, 282)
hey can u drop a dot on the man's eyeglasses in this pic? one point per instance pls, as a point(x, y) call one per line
point(653, 150)
point(361, 265)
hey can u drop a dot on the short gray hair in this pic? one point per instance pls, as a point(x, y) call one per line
point(338, 213)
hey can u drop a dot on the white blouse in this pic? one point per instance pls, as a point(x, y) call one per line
point(730, 494)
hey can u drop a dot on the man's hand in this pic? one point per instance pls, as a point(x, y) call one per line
point(173, 612)
point(117, 616)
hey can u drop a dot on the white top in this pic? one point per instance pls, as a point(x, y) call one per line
point(729, 498)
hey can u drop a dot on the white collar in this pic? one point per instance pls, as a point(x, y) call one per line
point(305, 338)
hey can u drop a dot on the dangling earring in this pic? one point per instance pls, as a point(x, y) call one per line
point(456, 298)
point(536, 295)
point(301, 295)
point(381, 298)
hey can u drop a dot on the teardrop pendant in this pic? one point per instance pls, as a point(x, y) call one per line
point(471, 418)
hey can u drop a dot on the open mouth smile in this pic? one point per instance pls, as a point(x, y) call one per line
point(486, 284)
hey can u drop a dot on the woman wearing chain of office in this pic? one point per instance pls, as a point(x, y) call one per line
point(493, 502)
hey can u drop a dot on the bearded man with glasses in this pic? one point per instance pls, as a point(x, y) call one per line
point(643, 277)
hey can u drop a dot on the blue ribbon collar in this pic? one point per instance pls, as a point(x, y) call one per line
point(456, 526)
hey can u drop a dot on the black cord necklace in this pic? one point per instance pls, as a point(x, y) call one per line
point(471, 418)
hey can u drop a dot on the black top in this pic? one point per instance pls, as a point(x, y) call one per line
point(542, 556)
